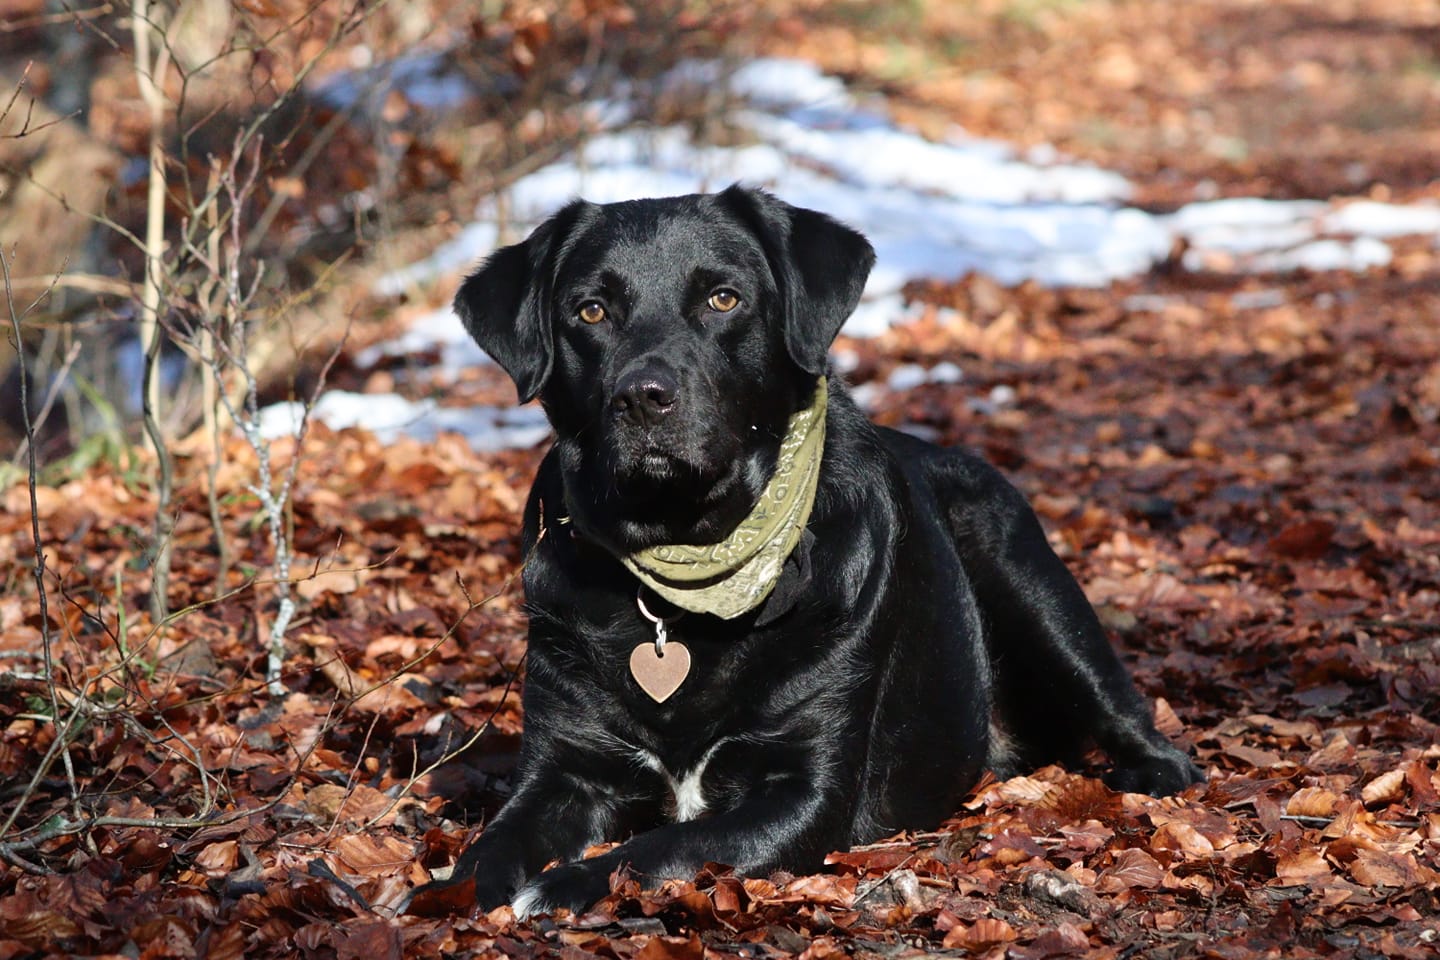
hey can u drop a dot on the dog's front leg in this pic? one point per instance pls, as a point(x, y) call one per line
point(553, 814)
point(790, 823)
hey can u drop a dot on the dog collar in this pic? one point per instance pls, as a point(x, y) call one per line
point(735, 576)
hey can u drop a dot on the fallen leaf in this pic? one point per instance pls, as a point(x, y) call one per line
point(1304, 865)
point(1312, 802)
point(1389, 787)
point(979, 936)
point(1132, 867)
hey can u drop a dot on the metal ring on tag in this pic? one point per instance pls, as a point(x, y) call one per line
point(660, 622)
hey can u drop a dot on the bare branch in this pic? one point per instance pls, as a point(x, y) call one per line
point(17, 24)
point(46, 639)
point(25, 128)
point(57, 382)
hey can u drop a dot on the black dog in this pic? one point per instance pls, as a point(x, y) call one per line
point(761, 628)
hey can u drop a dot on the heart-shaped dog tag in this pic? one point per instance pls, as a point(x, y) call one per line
point(660, 674)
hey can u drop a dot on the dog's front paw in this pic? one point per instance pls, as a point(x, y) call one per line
point(1166, 772)
point(456, 895)
point(574, 886)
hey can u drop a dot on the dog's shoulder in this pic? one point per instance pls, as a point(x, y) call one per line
point(859, 472)
point(880, 473)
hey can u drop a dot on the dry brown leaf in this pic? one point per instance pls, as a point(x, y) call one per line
point(355, 804)
point(1279, 727)
point(1182, 838)
point(1167, 919)
point(823, 888)
point(372, 854)
point(1377, 868)
point(1306, 540)
point(1166, 720)
point(341, 581)
point(332, 666)
point(227, 942)
point(1313, 802)
point(1064, 939)
point(1389, 787)
point(1132, 867)
point(1023, 791)
point(672, 948)
point(980, 935)
point(38, 928)
point(1304, 865)
point(218, 859)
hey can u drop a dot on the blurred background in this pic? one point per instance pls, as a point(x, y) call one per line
point(358, 139)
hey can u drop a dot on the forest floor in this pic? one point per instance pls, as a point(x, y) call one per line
point(1242, 470)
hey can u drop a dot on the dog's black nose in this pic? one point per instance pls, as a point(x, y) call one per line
point(645, 397)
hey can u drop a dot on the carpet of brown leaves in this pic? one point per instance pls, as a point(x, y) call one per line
point(1248, 493)
point(1243, 472)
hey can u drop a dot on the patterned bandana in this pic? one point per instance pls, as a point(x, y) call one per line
point(737, 574)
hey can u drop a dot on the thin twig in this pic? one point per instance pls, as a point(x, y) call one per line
point(1310, 821)
point(16, 24)
point(56, 382)
point(25, 129)
point(877, 884)
point(46, 638)
point(914, 840)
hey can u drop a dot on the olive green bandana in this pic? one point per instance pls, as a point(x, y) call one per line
point(737, 574)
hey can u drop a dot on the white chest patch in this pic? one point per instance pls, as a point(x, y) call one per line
point(686, 792)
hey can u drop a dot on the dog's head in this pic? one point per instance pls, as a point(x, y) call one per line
point(669, 340)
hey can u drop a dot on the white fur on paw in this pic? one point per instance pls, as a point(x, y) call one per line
point(530, 902)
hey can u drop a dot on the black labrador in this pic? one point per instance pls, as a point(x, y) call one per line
point(761, 627)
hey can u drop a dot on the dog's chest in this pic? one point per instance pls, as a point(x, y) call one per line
point(687, 799)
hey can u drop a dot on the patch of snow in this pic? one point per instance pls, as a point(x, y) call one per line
point(439, 331)
point(844, 361)
point(449, 257)
point(1240, 212)
point(428, 79)
point(782, 82)
point(908, 376)
point(921, 431)
point(1001, 396)
point(390, 416)
point(877, 314)
point(962, 168)
point(946, 372)
point(1257, 299)
point(1371, 219)
point(866, 395)
point(934, 209)
point(1354, 255)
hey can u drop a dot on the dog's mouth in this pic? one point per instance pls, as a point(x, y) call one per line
point(685, 479)
point(642, 471)
point(663, 492)
point(662, 465)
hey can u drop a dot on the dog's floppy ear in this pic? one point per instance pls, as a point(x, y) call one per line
point(505, 305)
point(820, 264)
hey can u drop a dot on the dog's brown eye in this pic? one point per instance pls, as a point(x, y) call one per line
point(723, 301)
point(591, 311)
